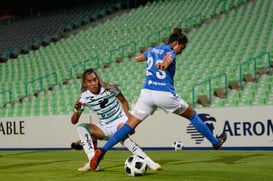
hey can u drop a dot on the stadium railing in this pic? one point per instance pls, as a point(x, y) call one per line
point(208, 81)
point(41, 80)
point(254, 61)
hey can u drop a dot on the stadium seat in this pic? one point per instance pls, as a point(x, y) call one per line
point(219, 51)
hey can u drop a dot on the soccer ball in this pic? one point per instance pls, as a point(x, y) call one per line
point(177, 145)
point(135, 166)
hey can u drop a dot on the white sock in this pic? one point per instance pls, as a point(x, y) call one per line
point(86, 140)
point(133, 147)
point(136, 150)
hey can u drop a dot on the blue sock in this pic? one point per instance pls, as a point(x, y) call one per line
point(117, 137)
point(202, 128)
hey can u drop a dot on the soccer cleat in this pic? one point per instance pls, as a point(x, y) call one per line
point(155, 167)
point(76, 146)
point(221, 140)
point(94, 162)
point(86, 168)
point(152, 165)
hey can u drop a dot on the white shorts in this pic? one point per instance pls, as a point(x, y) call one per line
point(111, 128)
point(150, 100)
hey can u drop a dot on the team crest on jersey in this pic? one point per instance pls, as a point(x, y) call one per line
point(107, 92)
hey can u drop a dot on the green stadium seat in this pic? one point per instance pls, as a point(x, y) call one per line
point(219, 51)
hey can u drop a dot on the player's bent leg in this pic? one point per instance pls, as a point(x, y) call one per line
point(202, 128)
point(114, 139)
point(136, 150)
point(119, 135)
point(86, 140)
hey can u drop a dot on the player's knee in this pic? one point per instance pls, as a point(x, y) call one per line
point(83, 126)
point(188, 113)
point(139, 115)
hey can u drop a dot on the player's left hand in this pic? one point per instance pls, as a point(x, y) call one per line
point(161, 66)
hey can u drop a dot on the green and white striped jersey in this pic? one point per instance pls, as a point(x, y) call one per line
point(105, 104)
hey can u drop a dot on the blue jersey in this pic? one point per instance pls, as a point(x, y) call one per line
point(157, 79)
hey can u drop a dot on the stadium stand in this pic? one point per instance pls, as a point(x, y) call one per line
point(40, 30)
point(221, 39)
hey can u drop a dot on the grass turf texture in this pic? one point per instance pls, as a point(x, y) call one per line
point(176, 165)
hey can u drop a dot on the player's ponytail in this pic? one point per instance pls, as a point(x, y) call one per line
point(178, 36)
point(173, 37)
point(177, 31)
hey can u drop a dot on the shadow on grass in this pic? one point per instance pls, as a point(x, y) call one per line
point(228, 159)
point(113, 168)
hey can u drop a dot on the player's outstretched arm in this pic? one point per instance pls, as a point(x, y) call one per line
point(140, 58)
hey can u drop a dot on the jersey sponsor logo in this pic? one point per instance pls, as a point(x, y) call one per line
point(156, 83)
point(111, 113)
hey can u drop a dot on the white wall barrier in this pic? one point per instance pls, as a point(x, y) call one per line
point(246, 127)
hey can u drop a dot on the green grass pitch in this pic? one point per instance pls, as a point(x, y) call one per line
point(176, 165)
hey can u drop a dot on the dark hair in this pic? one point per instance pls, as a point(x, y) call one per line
point(87, 72)
point(106, 85)
point(177, 35)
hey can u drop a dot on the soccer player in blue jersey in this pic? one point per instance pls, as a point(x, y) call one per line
point(158, 92)
point(104, 100)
